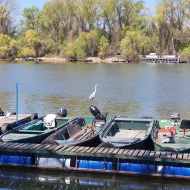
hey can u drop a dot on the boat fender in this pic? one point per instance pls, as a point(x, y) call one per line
point(34, 116)
point(106, 145)
point(5, 127)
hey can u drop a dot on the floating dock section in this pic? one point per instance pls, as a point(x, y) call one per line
point(96, 159)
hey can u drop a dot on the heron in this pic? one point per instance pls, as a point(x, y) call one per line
point(92, 96)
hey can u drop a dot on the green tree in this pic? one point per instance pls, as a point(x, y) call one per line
point(31, 17)
point(92, 38)
point(4, 45)
point(103, 46)
point(80, 46)
point(32, 40)
point(135, 43)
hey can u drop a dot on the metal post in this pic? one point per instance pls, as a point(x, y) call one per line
point(16, 102)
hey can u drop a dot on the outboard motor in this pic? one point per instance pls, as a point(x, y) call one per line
point(62, 112)
point(94, 110)
point(99, 118)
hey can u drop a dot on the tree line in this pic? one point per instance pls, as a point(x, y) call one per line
point(88, 28)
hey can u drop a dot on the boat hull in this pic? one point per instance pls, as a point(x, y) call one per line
point(128, 133)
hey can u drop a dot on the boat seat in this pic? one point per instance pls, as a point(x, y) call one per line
point(185, 124)
point(37, 126)
point(122, 140)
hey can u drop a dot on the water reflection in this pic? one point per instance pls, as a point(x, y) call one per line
point(19, 179)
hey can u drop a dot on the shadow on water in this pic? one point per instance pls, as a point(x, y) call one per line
point(20, 179)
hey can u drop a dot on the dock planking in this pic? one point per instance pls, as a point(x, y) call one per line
point(125, 152)
point(105, 151)
point(96, 151)
point(100, 150)
point(115, 151)
point(135, 152)
point(90, 150)
point(110, 151)
point(79, 149)
point(84, 150)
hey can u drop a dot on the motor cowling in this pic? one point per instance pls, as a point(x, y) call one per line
point(94, 110)
point(62, 112)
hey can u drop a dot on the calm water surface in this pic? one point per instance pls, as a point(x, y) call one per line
point(132, 90)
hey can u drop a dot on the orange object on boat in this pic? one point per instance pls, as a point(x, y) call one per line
point(163, 130)
point(172, 129)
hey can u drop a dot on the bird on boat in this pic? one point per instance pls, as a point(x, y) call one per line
point(92, 96)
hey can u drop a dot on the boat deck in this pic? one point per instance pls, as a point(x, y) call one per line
point(130, 133)
point(13, 118)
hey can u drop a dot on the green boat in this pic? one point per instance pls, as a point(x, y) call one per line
point(127, 133)
point(37, 130)
point(60, 129)
point(172, 135)
point(83, 131)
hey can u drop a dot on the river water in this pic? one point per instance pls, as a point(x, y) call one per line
point(132, 90)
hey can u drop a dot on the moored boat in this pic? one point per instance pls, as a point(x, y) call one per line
point(172, 134)
point(83, 131)
point(127, 133)
point(10, 120)
point(37, 130)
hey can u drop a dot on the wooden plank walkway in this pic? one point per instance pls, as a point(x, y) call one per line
point(96, 151)
point(96, 159)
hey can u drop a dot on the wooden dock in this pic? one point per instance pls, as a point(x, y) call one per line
point(96, 159)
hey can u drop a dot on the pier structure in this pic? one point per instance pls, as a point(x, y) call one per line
point(96, 160)
point(165, 59)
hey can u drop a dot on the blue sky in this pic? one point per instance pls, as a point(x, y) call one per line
point(39, 3)
point(29, 3)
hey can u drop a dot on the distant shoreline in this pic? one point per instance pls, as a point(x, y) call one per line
point(62, 60)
